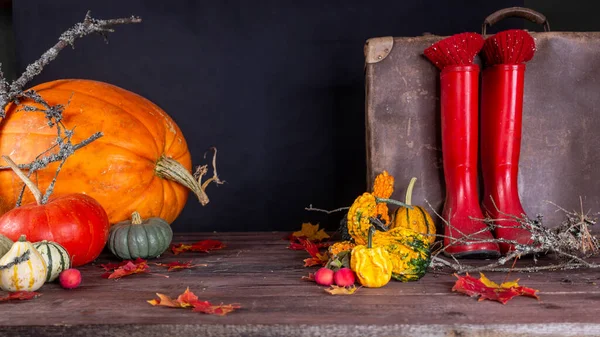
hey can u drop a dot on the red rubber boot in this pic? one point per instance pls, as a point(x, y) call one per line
point(459, 111)
point(501, 119)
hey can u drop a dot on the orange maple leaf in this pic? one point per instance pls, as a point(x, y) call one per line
point(189, 300)
point(317, 260)
point(486, 289)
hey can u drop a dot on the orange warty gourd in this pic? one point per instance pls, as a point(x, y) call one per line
point(130, 168)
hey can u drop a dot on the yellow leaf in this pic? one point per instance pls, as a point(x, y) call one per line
point(491, 284)
point(336, 290)
point(487, 282)
point(311, 232)
point(165, 301)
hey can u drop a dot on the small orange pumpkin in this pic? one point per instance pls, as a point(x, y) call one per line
point(140, 163)
point(416, 219)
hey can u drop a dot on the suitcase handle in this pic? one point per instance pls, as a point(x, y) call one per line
point(522, 12)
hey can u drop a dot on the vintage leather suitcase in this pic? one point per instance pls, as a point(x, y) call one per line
point(559, 161)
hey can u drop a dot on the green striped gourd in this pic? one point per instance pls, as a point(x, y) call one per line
point(416, 219)
point(56, 257)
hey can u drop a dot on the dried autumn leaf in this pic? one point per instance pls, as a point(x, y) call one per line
point(337, 290)
point(220, 310)
point(311, 232)
point(180, 248)
point(189, 300)
point(113, 266)
point(173, 266)
point(20, 295)
point(310, 277)
point(165, 301)
point(316, 257)
point(486, 289)
point(319, 260)
point(299, 246)
point(201, 246)
point(138, 266)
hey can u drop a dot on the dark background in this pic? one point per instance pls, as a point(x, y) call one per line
point(276, 85)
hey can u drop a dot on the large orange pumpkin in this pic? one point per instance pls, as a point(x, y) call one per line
point(125, 170)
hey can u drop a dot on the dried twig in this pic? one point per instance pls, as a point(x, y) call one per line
point(570, 244)
point(311, 208)
point(9, 93)
point(14, 93)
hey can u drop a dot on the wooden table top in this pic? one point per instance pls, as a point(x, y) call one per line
point(257, 271)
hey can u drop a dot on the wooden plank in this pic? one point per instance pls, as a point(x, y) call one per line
point(259, 272)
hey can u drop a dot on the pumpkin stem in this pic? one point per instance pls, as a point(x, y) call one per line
point(171, 169)
point(409, 190)
point(22, 238)
point(136, 218)
point(370, 237)
point(393, 202)
point(37, 194)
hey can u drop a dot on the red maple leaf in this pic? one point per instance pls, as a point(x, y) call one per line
point(113, 266)
point(126, 268)
point(20, 295)
point(299, 246)
point(488, 290)
point(180, 265)
point(201, 246)
point(316, 258)
point(189, 300)
point(208, 308)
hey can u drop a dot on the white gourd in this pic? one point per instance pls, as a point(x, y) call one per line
point(56, 258)
point(25, 275)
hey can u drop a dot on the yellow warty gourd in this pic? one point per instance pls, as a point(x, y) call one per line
point(372, 265)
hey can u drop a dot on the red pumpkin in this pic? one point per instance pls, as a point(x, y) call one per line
point(76, 221)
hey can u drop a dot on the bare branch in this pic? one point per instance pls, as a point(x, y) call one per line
point(311, 208)
point(79, 30)
point(54, 113)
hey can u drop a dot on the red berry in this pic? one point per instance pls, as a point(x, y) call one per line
point(70, 278)
point(344, 277)
point(324, 276)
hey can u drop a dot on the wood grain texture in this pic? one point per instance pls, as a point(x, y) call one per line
point(259, 272)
